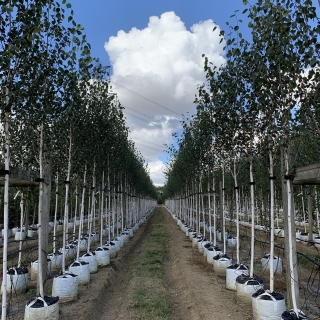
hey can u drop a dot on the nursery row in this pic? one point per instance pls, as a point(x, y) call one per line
point(222, 254)
point(79, 258)
point(61, 126)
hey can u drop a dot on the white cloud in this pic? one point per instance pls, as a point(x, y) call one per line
point(156, 171)
point(156, 71)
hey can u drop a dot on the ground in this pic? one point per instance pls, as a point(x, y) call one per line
point(157, 275)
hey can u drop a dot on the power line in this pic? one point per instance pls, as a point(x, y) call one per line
point(126, 107)
point(147, 99)
point(150, 147)
point(147, 121)
point(148, 142)
point(132, 115)
point(140, 83)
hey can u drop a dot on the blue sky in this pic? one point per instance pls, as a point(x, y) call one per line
point(104, 18)
point(155, 48)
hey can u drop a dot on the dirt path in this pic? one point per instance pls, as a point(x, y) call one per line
point(156, 276)
point(197, 292)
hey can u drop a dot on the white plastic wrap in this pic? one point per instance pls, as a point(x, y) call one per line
point(65, 287)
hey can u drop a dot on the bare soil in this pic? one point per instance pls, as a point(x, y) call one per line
point(195, 291)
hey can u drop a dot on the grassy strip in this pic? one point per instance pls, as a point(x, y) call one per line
point(151, 295)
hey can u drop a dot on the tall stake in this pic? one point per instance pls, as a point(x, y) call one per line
point(209, 208)
point(271, 222)
point(82, 210)
point(55, 214)
point(66, 206)
point(237, 209)
point(252, 218)
point(102, 208)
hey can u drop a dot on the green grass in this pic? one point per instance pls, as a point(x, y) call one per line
point(151, 304)
point(151, 297)
point(306, 263)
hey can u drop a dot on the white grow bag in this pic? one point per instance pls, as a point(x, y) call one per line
point(56, 260)
point(65, 287)
point(17, 280)
point(317, 241)
point(82, 270)
point(83, 244)
point(231, 241)
point(290, 314)
point(279, 232)
point(20, 235)
point(91, 258)
point(70, 252)
point(277, 263)
point(247, 286)
point(112, 249)
point(232, 273)
point(212, 252)
point(220, 263)
point(34, 269)
point(205, 246)
point(94, 237)
point(116, 244)
point(199, 244)
point(9, 233)
point(14, 230)
point(102, 255)
point(105, 232)
point(42, 309)
point(70, 225)
point(195, 240)
point(267, 306)
point(304, 236)
point(32, 233)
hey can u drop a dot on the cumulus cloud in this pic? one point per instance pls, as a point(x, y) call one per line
point(156, 71)
point(156, 168)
